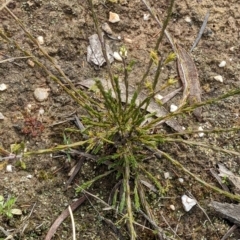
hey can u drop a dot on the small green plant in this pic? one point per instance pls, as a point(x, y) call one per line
point(225, 180)
point(18, 149)
point(120, 131)
point(6, 206)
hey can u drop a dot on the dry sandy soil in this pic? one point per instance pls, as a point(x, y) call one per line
point(65, 26)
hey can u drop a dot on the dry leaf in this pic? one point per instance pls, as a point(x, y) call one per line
point(169, 96)
point(189, 77)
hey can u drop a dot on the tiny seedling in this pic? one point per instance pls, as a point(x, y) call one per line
point(225, 180)
point(6, 206)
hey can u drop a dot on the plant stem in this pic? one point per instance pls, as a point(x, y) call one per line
point(188, 109)
point(128, 198)
point(202, 145)
point(159, 40)
point(215, 130)
point(149, 216)
point(55, 149)
point(160, 153)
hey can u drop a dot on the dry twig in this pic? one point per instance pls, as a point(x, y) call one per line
point(200, 32)
point(4, 4)
point(73, 223)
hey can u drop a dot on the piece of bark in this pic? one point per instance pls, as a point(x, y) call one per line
point(95, 53)
point(75, 171)
point(233, 179)
point(228, 211)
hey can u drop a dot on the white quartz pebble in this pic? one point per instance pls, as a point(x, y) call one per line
point(200, 134)
point(1, 116)
point(188, 203)
point(41, 111)
point(222, 64)
point(40, 40)
point(181, 180)
point(172, 207)
point(158, 97)
point(146, 16)
point(188, 19)
point(218, 78)
point(3, 86)
point(173, 108)
point(166, 175)
point(9, 168)
point(117, 56)
point(41, 94)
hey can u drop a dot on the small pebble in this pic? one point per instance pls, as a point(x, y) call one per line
point(41, 111)
point(9, 168)
point(188, 203)
point(188, 19)
point(16, 211)
point(29, 176)
point(173, 108)
point(41, 94)
point(181, 180)
point(158, 97)
point(218, 78)
point(30, 63)
point(231, 49)
point(1, 116)
point(166, 175)
point(201, 134)
point(40, 40)
point(29, 107)
point(222, 64)
point(146, 16)
point(113, 17)
point(172, 207)
point(3, 86)
point(117, 56)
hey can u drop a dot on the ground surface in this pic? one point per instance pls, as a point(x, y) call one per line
point(65, 27)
